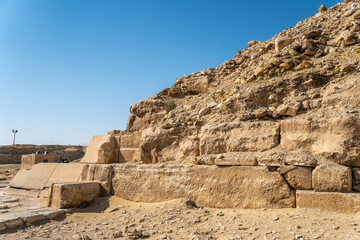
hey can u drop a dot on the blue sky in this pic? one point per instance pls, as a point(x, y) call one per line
point(70, 69)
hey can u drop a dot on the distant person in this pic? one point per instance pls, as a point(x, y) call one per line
point(61, 160)
point(66, 161)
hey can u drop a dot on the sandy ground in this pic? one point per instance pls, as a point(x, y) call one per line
point(115, 218)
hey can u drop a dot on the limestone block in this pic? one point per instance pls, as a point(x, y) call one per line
point(336, 139)
point(65, 195)
point(101, 149)
point(98, 173)
point(228, 159)
point(331, 201)
point(278, 157)
point(271, 158)
point(65, 173)
point(15, 223)
point(145, 106)
point(29, 217)
point(238, 137)
point(347, 91)
point(150, 119)
point(195, 85)
point(297, 177)
point(35, 178)
point(130, 155)
point(165, 145)
point(131, 140)
point(332, 178)
point(52, 214)
point(10, 220)
point(210, 186)
point(300, 158)
point(27, 161)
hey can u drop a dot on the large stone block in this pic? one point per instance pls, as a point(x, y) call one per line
point(211, 186)
point(297, 177)
point(278, 157)
point(101, 173)
point(239, 137)
point(332, 201)
point(274, 157)
point(332, 177)
point(65, 173)
point(35, 178)
point(27, 161)
point(130, 155)
point(336, 139)
point(65, 195)
point(165, 145)
point(31, 217)
point(101, 149)
point(130, 140)
point(345, 91)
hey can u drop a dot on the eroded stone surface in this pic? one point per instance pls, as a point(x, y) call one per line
point(212, 186)
point(331, 177)
point(239, 137)
point(101, 149)
point(297, 177)
point(333, 201)
point(65, 195)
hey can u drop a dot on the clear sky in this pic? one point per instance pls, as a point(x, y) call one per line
point(70, 69)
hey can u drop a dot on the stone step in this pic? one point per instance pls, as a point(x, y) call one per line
point(331, 201)
point(274, 157)
point(13, 220)
point(208, 186)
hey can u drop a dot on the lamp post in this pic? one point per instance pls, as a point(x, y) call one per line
point(14, 131)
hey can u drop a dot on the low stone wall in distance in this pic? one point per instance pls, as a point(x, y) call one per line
point(11, 154)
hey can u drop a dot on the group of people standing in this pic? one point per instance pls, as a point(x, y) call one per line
point(63, 160)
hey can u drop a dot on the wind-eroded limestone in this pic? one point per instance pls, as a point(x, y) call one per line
point(239, 137)
point(101, 149)
point(211, 186)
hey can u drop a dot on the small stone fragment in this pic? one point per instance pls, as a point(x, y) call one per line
point(322, 8)
point(348, 68)
point(280, 43)
point(286, 66)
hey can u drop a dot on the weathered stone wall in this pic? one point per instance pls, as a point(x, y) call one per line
point(10, 154)
point(212, 186)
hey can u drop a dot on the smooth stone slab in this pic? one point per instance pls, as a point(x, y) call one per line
point(35, 178)
point(66, 173)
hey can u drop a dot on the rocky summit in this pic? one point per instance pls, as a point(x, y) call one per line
point(277, 126)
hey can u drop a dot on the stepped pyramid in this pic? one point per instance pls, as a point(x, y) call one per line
point(276, 126)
